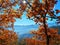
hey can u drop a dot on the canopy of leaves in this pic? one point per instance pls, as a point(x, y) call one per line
point(8, 37)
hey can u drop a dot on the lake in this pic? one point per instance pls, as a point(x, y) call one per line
point(24, 31)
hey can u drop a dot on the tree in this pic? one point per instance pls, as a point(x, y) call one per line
point(8, 37)
point(9, 14)
point(7, 18)
point(38, 11)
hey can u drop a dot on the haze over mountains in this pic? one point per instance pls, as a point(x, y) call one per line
point(24, 30)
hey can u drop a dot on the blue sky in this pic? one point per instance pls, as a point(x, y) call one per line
point(25, 21)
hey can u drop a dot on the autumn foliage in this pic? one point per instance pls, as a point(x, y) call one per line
point(8, 37)
point(40, 37)
point(37, 10)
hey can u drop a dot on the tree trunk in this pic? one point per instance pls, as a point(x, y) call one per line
point(47, 37)
point(44, 22)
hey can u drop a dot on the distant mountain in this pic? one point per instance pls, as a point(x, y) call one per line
point(27, 25)
point(27, 28)
point(23, 31)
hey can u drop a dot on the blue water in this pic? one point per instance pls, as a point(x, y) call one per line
point(25, 29)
